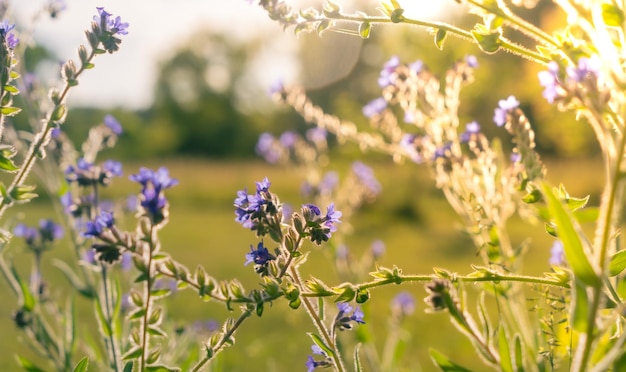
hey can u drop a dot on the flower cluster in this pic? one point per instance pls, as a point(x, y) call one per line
point(580, 79)
point(347, 315)
point(311, 363)
point(319, 227)
point(39, 238)
point(107, 28)
point(260, 212)
point(7, 35)
point(260, 257)
point(152, 198)
point(86, 173)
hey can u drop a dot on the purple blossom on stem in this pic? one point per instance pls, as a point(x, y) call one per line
point(557, 254)
point(386, 74)
point(332, 219)
point(267, 149)
point(316, 134)
point(28, 233)
point(550, 82)
point(505, 106)
point(112, 123)
point(471, 61)
point(374, 107)
point(288, 139)
point(403, 304)
point(95, 228)
point(586, 67)
point(7, 35)
point(259, 256)
point(347, 315)
point(366, 177)
point(471, 129)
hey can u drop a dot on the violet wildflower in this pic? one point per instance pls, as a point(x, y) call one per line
point(504, 108)
point(407, 144)
point(332, 219)
point(152, 197)
point(416, 66)
point(471, 129)
point(365, 176)
point(112, 123)
point(374, 107)
point(260, 212)
point(471, 61)
point(311, 363)
point(346, 315)
point(260, 257)
point(387, 73)
point(29, 234)
point(403, 304)
point(586, 67)
point(288, 139)
point(557, 254)
point(316, 135)
point(95, 228)
point(550, 82)
point(85, 173)
point(267, 148)
point(443, 152)
point(320, 227)
point(377, 248)
point(108, 28)
point(50, 231)
point(328, 183)
point(8, 36)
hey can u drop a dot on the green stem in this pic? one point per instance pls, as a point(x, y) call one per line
point(220, 346)
point(310, 309)
point(606, 218)
point(147, 300)
point(109, 317)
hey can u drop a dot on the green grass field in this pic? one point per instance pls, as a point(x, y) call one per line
point(411, 217)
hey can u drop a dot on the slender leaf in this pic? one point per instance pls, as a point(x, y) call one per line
point(444, 363)
point(519, 354)
point(82, 365)
point(617, 263)
point(575, 253)
point(580, 310)
point(317, 340)
point(27, 364)
point(506, 364)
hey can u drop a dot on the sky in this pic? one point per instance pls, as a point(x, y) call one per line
point(127, 77)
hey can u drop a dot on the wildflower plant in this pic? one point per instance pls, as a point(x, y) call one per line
point(122, 268)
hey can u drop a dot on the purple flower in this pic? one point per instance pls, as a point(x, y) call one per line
point(159, 180)
point(471, 129)
point(332, 218)
point(263, 186)
point(503, 109)
point(96, 227)
point(316, 134)
point(374, 107)
point(586, 67)
point(266, 147)
point(403, 304)
point(377, 248)
point(313, 208)
point(7, 35)
point(407, 144)
point(259, 256)
point(366, 177)
point(277, 87)
point(416, 66)
point(50, 231)
point(329, 182)
point(347, 315)
point(549, 81)
point(386, 74)
point(288, 139)
point(557, 254)
point(443, 151)
point(471, 61)
point(113, 124)
point(516, 157)
point(29, 234)
point(112, 168)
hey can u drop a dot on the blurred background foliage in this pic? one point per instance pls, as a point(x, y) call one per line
point(207, 102)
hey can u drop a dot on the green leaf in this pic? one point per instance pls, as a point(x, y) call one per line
point(617, 263)
point(612, 15)
point(317, 340)
point(440, 38)
point(105, 327)
point(27, 364)
point(128, 367)
point(532, 197)
point(444, 363)
point(364, 30)
point(23, 193)
point(59, 113)
point(161, 368)
point(519, 354)
point(506, 364)
point(82, 365)
point(580, 309)
point(11, 89)
point(27, 298)
point(132, 354)
point(575, 253)
point(9, 110)
point(488, 40)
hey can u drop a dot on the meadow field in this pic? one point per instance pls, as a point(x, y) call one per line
point(410, 216)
